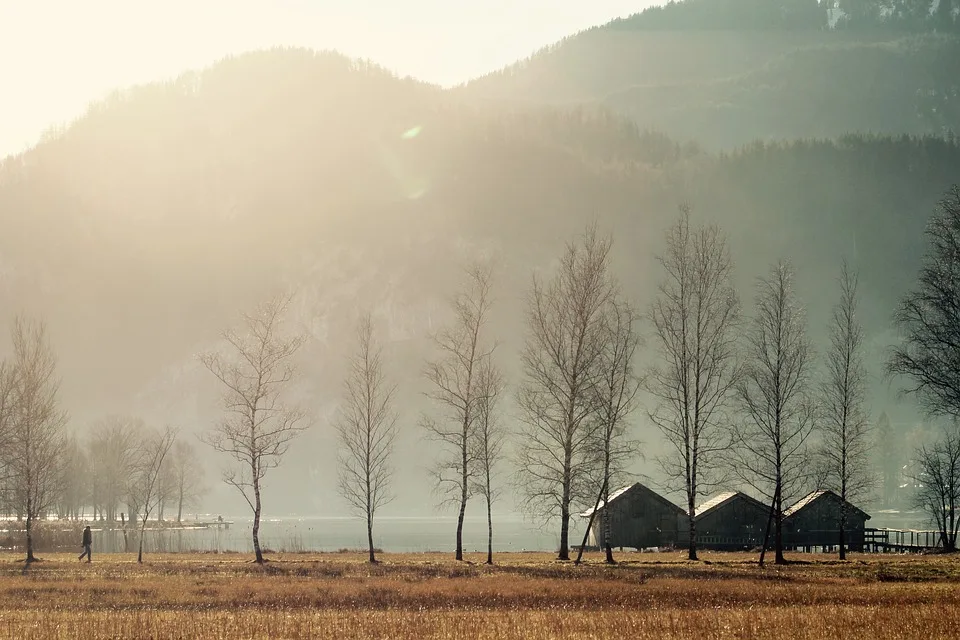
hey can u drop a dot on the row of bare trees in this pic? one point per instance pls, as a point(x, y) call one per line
point(103, 472)
point(44, 468)
point(734, 397)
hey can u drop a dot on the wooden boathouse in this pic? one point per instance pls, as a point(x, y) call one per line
point(730, 521)
point(814, 521)
point(640, 518)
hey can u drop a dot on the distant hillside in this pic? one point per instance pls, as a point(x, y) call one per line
point(727, 87)
point(141, 231)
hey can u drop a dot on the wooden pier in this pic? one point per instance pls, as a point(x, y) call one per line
point(901, 540)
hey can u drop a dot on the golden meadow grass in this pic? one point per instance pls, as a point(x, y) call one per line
point(525, 596)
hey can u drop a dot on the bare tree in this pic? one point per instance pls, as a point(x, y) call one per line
point(114, 446)
point(166, 487)
point(561, 360)
point(489, 439)
point(929, 318)
point(8, 388)
point(37, 425)
point(76, 492)
point(938, 480)
point(772, 451)
point(258, 425)
point(694, 318)
point(845, 431)
point(616, 395)
point(146, 484)
point(453, 388)
point(187, 476)
point(367, 428)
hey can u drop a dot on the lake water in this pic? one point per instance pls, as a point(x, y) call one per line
point(396, 534)
point(393, 534)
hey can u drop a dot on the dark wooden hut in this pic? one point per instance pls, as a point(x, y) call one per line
point(814, 521)
point(639, 518)
point(731, 521)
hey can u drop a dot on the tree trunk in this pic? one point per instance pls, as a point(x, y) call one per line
point(778, 558)
point(463, 509)
point(586, 532)
point(143, 526)
point(691, 517)
point(256, 519)
point(373, 558)
point(370, 505)
point(564, 552)
point(180, 510)
point(605, 523)
point(766, 535)
point(692, 505)
point(489, 526)
point(843, 526)
point(30, 556)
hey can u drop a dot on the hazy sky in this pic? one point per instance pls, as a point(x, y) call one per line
point(56, 56)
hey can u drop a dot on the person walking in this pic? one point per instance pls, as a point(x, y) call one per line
point(87, 543)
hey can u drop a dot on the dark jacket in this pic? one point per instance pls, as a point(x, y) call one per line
point(87, 537)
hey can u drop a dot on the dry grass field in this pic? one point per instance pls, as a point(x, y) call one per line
point(525, 596)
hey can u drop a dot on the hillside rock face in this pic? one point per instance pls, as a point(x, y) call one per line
point(144, 229)
point(723, 87)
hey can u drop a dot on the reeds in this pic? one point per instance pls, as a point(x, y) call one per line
point(527, 596)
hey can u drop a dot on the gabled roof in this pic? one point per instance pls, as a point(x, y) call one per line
point(636, 486)
point(713, 502)
point(814, 496)
point(721, 499)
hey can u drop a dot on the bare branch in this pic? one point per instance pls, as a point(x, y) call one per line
point(35, 424)
point(258, 426)
point(453, 379)
point(938, 482)
point(771, 453)
point(367, 428)
point(694, 318)
point(845, 433)
point(928, 356)
point(562, 359)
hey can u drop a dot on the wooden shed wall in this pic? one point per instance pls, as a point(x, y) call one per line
point(739, 523)
point(639, 519)
point(818, 524)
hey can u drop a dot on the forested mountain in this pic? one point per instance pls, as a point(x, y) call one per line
point(726, 72)
point(140, 231)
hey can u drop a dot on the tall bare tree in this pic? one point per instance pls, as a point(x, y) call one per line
point(76, 491)
point(187, 474)
point(772, 453)
point(561, 360)
point(489, 439)
point(938, 478)
point(114, 446)
point(616, 394)
point(37, 425)
point(146, 484)
point(694, 318)
point(166, 487)
point(929, 318)
point(8, 388)
point(258, 426)
point(845, 431)
point(453, 380)
point(367, 428)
